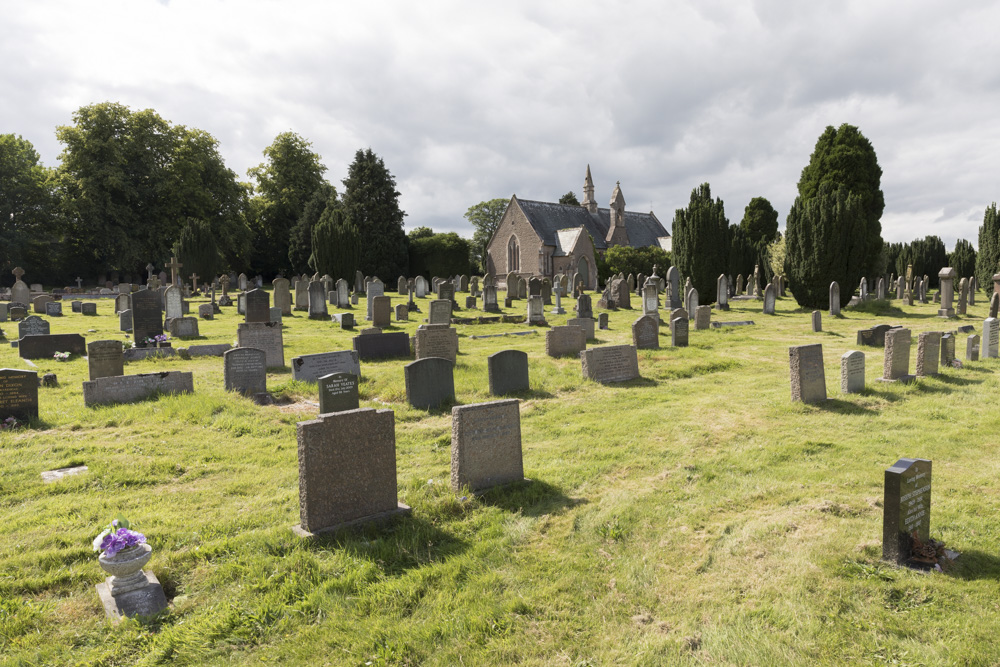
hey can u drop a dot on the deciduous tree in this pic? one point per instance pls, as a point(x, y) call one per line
point(485, 218)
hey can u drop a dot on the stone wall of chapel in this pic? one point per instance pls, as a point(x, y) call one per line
point(513, 223)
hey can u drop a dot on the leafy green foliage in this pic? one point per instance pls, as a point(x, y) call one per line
point(28, 222)
point(372, 204)
point(760, 222)
point(420, 233)
point(843, 157)
point(963, 259)
point(701, 241)
point(131, 180)
point(336, 245)
point(438, 254)
point(569, 198)
point(743, 255)
point(485, 218)
point(988, 258)
point(820, 234)
point(197, 249)
point(285, 183)
point(625, 259)
point(300, 239)
point(927, 255)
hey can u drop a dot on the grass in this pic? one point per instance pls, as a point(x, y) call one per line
point(695, 516)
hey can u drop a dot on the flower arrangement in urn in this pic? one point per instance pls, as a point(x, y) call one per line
point(128, 591)
point(116, 537)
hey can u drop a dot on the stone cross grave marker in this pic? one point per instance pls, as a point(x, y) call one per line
point(175, 268)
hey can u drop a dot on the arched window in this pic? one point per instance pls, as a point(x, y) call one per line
point(513, 255)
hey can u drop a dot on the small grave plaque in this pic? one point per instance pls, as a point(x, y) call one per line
point(338, 392)
point(486, 445)
point(808, 377)
point(132, 388)
point(311, 367)
point(907, 508)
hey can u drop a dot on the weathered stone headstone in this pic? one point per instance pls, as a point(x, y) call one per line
point(301, 295)
point(565, 341)
point(172, 302)
point(852, 372)
point(245, 370)
point(486, 445)
point(53, 308)
point(420, 287)
point(947, 349)
point(585, 323)
point(263, 336)
point(947, 278)
point(39, 303)
point(674, 280)
point(436, 341)
point(20, 292)
point(311, 367)
point(18, 394)
point(3, 312)
point(972, 348)
point(33, 326)
point(722, 292)
point(897, 356)
point(995, 305)
point(508, 372)
point(430, 382)
point(88, 309)
point(536, 310)
point(875, 336)
point(584, 307)
point(439, 312)
point(691, 302)
point(282, 296)
point(125, 320)
point(316, 293)
point(602, 321)
point(679, 331)
point(132, 388)
point(817, 321)
point(45, 346)
point(183, 327)
point(928, 353)
point(105, 358)
point(338, 392)
point(808, 376)
point(345, 320)
point(834, 299)
point(402, 312)
point(381, 311)
point(769, 299)
point(490, 299)
point(347, 470)
point(906, 508)
point(702, 317)
point(382, 345)
point(621, 294)
point(610, 363)
point(991, 338)
point(646, 333)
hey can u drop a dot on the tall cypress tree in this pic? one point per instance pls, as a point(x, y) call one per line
point(988, 258)
point(336, 245)
point(820, 232)
point(371, 202)
point(963, 259)
point(701, 241)
point(300, 238)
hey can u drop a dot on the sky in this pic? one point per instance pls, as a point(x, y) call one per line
point(470, 101)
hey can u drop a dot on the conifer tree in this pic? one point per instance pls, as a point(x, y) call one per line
point(988, 257)
point(701, 241)
point(371, 202)
point(336, 245)
point(300, 238)
point(963, 259)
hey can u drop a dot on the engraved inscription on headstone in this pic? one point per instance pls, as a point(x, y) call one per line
point(338, 392)
point(852, 372)
point(808, 378)
point(245, 370)
point(907, 508)
point(18, 394)
point(486, 445)
point(105, 358)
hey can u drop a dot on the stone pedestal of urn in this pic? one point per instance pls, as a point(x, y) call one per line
point(130, 591)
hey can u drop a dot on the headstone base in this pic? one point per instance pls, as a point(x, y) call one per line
point(144, 601)
point(401, 510)
point(946, 312)
point(905, 379)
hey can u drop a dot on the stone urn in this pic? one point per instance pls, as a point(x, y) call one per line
point(125, 568)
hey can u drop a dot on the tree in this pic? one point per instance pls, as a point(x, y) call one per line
point(336, 245)
point(776, 253)
point(927, 256)
point(197, 249)
point(28, 225)
point(891, 253)
point(371, 202)
point(963, 259)
point(820, 230)
point(743, 255)
point(569, 198)
point(485, 218)
point(701, 241)
point(988, 257)
point(760, 222)
point(626, 259)
point(844, 158)
point(420, 233)
point(439, 255)
point(300, 238)
point(285, 183)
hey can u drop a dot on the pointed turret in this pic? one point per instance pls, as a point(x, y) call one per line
point(616, 231)
point(589, 202)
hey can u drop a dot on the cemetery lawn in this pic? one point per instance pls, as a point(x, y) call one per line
point(693, 516)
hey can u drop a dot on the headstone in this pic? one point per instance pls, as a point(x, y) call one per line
point(536, 310)
point(852, 372)
point(183, 327)
point(963, 297)
point(347, 470)
point(769, 299)
point(205, 311)
point(446, 291)
point(53, 308)
point(39, 302)
point(739, 283)
point(702, 317)
point(674, 278)
point(897, 356)
point(808, 377)
point(439, 312)
point(991, 338)
point(610, 363)
point(486, 445)
point(490, 299)
point(311, 367)
point(880, 289)
point(584, 308)
point(301, 296)
point(20, 292)
point(105, 358)
point(817, 321)
point(88, 309)
point(420, 287)
point(972, 348)
point(834, 299)
point(214, 350)
point(679, 331)
point(621, 294)
point(317, 300)
point(863, 289)
point(338, 392)
point(995, 305)
point(282, 296)
point(508, 372)
point(585, 323)
point(900, 287)
point(436, 341)
point(546, 291)
point(430, 382)
point(132, 388)
point(33, 326)
point(602, 321)
point(382, 345)
point(245, 370)
point(3, 312)
point(263, 336)
point(875, 336)
point(651, 301)
point(18, 394)
point(372, 290)
point(345, 320)
point(381, 310)
point(947, 278)
point(172, 302)
point(722, 292)
point(565, 341)
point(691, 302)
point(906, 508)
point(43, 346)
point(947, 349)
point(928, 353)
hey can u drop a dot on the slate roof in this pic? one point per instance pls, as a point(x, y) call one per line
point(547, 219)
point(566, 240)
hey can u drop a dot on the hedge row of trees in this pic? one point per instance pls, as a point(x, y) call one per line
point(132, 188)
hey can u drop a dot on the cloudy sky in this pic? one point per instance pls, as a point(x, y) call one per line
point(470, 101)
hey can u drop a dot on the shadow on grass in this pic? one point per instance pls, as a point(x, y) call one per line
point(974, 565)
point(843, 407)
point(530, 498)
point(834, 334)
point(957, 381)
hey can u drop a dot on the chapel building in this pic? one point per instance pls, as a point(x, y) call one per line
point(543, 239)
